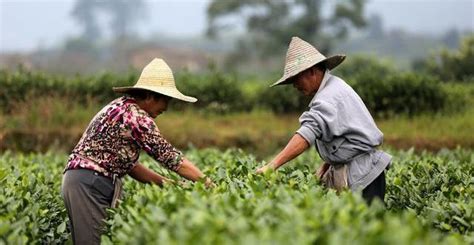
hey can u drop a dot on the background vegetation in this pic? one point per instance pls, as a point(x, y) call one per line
point(41, 111)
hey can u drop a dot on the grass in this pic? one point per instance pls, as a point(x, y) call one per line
point(52, 123)
point(258, 132)
point(430, 132)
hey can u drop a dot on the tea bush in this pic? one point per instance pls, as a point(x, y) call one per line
point(440, 189)
point(281, 207)
point(429, 200)
point(31, 207)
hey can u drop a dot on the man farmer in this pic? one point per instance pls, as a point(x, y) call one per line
point(337, 123)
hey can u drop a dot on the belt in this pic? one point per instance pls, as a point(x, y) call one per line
point(113, 177)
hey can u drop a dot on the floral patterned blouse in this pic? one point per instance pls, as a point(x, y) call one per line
point(114, 138)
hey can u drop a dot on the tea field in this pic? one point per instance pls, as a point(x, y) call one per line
point(429, 201)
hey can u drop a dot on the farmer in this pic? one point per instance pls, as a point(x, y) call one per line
point(110, 147)
point(337, 123)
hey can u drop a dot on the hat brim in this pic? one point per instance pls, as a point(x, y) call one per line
point(171, 92)
point(330, 62)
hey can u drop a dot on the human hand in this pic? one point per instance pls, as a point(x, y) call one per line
point(166, 182)
point(264, 169)
point(209, 184)
point(184, 184)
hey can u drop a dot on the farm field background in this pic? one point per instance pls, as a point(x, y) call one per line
point(263, 133)
point(426, 114)
point(44, 112)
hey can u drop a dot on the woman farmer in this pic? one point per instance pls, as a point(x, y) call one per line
point(110, 147)
point(337, 123)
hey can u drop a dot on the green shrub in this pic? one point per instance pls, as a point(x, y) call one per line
point(288, 207)
point(449, 65)
point(215, 91)
point(429, 200)
point(439, 189)
point(384, 91)
point(359, 66)
point(283, 99)
point(23, 85)
point(31, 207)
point(405, 93)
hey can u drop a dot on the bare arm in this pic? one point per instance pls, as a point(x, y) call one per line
point(294, 148)
point(189, 171)
point(146, 175)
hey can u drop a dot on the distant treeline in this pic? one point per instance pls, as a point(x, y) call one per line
point(385, 90)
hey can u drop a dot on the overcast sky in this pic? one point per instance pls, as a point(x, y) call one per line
point(28, 24)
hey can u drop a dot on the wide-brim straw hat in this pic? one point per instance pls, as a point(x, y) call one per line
point(157, 77)
point(301, 56)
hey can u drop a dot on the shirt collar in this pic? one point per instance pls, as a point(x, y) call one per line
point(326, 77)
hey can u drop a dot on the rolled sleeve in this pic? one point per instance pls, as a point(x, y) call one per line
point(307, 133)
point(315, 122)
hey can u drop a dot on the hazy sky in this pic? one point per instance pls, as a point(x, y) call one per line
point(28, 24)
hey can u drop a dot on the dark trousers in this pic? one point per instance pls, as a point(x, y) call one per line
point(376, 189)
point(86, 196)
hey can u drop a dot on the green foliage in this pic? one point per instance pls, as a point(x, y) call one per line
point(440, 189)
point(215, 91)
point(429, 201)
point(385, 91)
point(283, 207)
point(23, 85)
point(283, 99)
point(31, 208)
point(460, 96)
point(360, 66)
point(452, 65)
point(406, 93)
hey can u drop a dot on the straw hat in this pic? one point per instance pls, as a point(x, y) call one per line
point(157, 77)
point(301, 56)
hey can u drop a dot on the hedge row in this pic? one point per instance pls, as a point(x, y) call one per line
point(384, 90)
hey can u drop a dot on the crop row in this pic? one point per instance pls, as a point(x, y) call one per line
point(429, 200)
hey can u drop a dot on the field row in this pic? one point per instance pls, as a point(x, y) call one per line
point(429, 200)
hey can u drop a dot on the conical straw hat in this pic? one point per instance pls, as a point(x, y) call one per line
point(157, 77)
point(301, 56)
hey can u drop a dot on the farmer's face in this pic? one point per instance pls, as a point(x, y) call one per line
point(308, 81)
point(155, 105)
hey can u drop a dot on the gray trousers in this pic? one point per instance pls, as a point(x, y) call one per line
point(86, 196)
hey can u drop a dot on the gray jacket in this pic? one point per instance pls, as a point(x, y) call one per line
point(344, 132)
